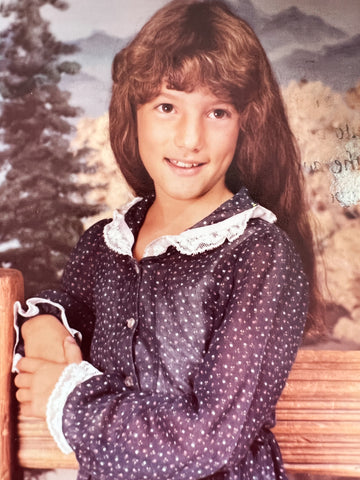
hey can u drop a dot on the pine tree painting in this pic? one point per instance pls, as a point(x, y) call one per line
point(41, 203)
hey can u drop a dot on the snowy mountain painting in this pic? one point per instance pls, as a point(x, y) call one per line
point(300, 47)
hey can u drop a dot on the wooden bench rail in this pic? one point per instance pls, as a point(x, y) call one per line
point(11, 289)
point(318, 414)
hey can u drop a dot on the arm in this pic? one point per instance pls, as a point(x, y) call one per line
point(38, 377)
point(51, 316)
point(44, 337)
point(152, 435)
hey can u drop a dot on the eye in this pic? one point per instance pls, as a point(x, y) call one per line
point(219, 113)
point(165, 108)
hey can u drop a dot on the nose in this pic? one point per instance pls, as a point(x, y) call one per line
point(189, 133)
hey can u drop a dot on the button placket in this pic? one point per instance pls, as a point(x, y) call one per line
point(130, 380)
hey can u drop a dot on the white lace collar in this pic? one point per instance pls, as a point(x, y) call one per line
point(119, 238)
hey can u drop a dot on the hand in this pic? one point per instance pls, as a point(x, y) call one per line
point(44, 338)
point(38, 377)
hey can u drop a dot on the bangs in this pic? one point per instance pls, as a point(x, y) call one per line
point(189, 73)
point(189, 45)
point(202, 71)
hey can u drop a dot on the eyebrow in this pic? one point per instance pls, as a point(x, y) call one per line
point(169, 94)
point(172, 96)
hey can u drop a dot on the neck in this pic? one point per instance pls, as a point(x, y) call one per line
point(170, 216)
point(178, 215)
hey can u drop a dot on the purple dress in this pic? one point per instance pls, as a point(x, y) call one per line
point(192, 346)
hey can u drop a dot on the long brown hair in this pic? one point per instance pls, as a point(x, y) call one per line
point(202, 43)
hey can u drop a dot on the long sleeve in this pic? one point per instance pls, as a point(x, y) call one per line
point(73, 303)
point(135, 435)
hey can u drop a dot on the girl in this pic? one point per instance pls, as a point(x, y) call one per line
point(191, 301)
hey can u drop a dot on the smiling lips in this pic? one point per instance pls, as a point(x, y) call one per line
point(180, 164)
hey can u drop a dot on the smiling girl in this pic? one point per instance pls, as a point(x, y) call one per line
point(191, 302)
point(186, 143)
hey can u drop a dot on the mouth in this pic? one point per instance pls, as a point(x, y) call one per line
point(181, 164)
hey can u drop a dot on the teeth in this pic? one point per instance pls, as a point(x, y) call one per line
point(184, 165)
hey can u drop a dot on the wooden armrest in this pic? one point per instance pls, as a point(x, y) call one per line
point(37, 448)
point(11, 289)
point(318, 414)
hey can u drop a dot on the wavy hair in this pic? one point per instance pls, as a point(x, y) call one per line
point(189, 44)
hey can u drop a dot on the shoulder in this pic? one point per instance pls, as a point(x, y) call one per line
point(97, 230)
point(264, 234)
point(89, 242)
point(94, 233)
point(268, 245)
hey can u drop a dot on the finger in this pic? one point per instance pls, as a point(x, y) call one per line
point(23, 380)
point(29, 365)
point(26, 410)
point(72, 351)
point(23, 395)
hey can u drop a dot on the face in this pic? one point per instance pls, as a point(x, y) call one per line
point(187, 142)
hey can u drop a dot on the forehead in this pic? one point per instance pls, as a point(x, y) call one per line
point(199, 95)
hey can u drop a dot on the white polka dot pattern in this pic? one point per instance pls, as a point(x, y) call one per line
point(195, 351)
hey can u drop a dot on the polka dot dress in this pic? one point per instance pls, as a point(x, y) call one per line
point(194, 349)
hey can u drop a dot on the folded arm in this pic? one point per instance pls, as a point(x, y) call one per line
point(44, 337)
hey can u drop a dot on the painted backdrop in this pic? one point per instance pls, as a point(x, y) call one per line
point(314, 47)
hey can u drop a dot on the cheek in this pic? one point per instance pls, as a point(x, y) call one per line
point(234, 141)
point(150, 151)
point(150, 136)
point(145, 142)
point(226, 147)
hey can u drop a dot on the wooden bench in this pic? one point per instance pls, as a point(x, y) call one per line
point(318, 414)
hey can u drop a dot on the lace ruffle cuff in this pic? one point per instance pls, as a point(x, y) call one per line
point(72, 376)
point(33, 308)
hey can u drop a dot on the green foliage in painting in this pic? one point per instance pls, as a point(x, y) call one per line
point(41, 203)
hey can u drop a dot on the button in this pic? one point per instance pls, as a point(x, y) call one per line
point(129, 382)
point(130, 322)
